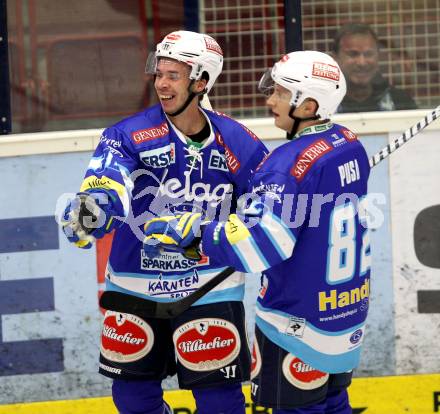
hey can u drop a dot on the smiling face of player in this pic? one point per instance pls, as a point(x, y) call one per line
point(171, 84)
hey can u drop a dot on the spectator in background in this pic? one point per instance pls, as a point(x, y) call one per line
point(356, 49)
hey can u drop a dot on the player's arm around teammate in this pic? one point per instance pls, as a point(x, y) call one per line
point(173, 157)
point(305, 229)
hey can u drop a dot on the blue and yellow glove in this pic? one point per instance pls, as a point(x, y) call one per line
point(178, 233)
point(89, 216)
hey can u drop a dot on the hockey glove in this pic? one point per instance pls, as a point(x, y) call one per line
point(87, 217)
point(177, 233)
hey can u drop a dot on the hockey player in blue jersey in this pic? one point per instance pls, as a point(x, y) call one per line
point(304, 227)
point(174, 157)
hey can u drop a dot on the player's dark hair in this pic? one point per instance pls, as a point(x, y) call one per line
point(352, 29)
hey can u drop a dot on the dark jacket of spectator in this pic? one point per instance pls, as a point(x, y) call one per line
point(385, 97)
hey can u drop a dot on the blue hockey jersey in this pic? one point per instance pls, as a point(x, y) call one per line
point(147, 168)
point(304, 227)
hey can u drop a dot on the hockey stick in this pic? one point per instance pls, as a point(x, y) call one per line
point(405, 137)
point(122, 302)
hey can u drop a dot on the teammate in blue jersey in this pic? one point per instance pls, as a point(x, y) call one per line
point(174, 157)
point(304, 227)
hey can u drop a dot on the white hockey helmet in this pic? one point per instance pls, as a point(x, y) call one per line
point(200, 51)
point(308, 74)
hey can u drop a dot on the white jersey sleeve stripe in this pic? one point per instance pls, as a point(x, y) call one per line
point(279, 235)
point(250, 255)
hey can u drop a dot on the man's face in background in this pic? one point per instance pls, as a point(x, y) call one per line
point(358, 57)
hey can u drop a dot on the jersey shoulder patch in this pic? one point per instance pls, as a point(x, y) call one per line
point(308, 157)
point(149, 134)
point(145, 127)
point(350, 136)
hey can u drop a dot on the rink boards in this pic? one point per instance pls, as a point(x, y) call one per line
point(414, 394)
point(50, 321)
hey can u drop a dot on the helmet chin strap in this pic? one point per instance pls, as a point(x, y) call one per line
point(191, 96)
point(296, 121)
